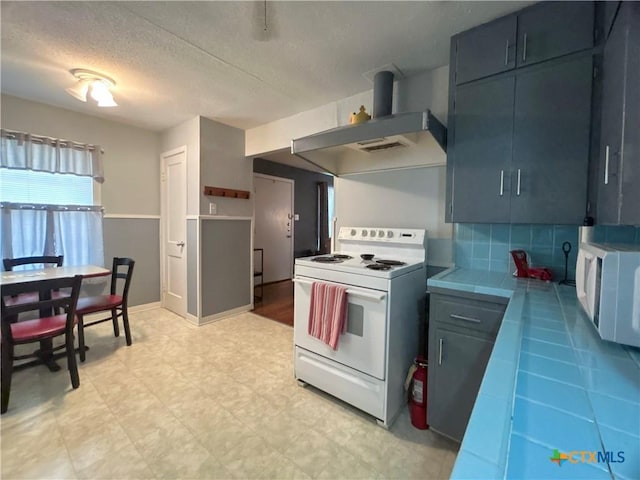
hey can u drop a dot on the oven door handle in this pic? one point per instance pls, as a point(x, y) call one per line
point(350, 291)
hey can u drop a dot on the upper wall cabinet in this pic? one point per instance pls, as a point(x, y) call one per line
point(535, 34)
point(519, 138)
point(521, 145)
point(619, 161)
point(485, 50)
point(554, 29)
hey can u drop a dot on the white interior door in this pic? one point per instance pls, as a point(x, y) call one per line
point(274, 225)
point(174, 211)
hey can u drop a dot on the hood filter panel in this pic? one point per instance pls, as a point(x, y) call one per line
point(384, 146)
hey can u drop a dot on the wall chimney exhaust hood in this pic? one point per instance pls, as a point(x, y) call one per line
point(377, 133)
point(366, 143)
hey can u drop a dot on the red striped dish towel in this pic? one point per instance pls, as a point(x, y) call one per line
point(327, 312)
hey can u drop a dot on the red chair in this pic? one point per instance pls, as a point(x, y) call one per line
point(46, 327)
point(116, 303)
point(10, 263)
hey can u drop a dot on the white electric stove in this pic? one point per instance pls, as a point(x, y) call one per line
point(385, 300)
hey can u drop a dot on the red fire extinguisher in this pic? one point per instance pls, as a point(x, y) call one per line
point(418, 394)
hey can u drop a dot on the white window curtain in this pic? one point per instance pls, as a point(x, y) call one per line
point(78, 236)
point(36, 229)
point(32, 152)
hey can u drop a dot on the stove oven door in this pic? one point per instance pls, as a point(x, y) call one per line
point(362, 346)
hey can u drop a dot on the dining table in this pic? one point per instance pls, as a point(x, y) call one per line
point(34, 275)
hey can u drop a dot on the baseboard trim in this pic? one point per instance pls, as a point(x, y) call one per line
point(144, 307)
point(192, 319)
point(229, 313)
point(135, 309)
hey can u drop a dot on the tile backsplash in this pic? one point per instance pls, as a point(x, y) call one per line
point(616, 234)
point(486, 246)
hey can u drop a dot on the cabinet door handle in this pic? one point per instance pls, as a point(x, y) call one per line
point(441, 346)
point(518, 186)
point(506, 54)
point(466, 319)
point(524, 48)
point(606, 165)
point(501, 183)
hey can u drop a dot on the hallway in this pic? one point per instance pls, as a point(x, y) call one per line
point(277, 302)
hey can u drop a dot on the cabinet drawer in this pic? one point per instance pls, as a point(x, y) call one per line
point(467, 313)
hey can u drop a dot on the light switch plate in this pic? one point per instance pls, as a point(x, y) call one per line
point(213, 209)
point(296, 217)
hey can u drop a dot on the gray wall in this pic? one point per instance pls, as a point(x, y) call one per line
point(131, 187)
point(192, 267)
point(223, 164)
point(225, 265)
point(138, 239)
point(305, 201)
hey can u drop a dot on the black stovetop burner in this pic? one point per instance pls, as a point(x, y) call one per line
point(332, 258)
point(391, 263)
point(379, 266)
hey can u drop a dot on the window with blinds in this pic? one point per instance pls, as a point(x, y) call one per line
point(28, 186)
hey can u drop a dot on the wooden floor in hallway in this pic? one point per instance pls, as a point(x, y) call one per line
point(277, 302)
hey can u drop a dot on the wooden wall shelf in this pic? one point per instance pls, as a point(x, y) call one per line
point(226, 192)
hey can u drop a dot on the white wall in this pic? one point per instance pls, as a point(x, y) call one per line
point(223, 164)
point(411, 198)
point(132, 178)
point(187, 133)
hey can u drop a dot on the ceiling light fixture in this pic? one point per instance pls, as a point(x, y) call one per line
point(96, 85)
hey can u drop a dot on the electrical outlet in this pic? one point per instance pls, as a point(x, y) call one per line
point(213, 209)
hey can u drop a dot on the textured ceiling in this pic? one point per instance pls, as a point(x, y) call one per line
point(175, 60)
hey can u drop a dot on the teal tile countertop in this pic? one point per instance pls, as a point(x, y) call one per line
point(552, 389)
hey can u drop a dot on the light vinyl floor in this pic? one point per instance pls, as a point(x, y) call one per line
point(186, 402)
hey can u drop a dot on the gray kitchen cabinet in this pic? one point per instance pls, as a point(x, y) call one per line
point(485, 50)
point(618, 177)
point(519, 145)
point(552, 124)
point(462, 330)
point(484, 119)
point(538, 33)
point(553, 29)
point(519, 140)
point(610, 9)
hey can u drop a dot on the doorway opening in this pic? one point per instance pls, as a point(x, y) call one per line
point(273, 297)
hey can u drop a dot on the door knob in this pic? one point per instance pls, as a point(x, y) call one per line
point(180, 244)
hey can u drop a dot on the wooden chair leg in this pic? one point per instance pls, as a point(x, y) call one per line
point(71, 361)
point(81, 349)
point(125, 323)
point(7, 371)
point(114, 318)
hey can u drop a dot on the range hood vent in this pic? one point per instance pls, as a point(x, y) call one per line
point(384, 132)
point(382, 144)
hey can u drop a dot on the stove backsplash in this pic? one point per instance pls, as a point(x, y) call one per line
point(487, 246)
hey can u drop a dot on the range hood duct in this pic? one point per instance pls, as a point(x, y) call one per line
point(383, 132)
point(382, 94)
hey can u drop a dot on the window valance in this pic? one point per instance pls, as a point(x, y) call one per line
point(33, 152)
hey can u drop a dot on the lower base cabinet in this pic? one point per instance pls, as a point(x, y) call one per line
point(462, 330)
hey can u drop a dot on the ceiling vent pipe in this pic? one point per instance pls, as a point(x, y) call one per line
point(382, 94)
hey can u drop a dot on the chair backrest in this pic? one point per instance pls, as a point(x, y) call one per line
point(44, 304)
point(122, 270)
point(10, 263)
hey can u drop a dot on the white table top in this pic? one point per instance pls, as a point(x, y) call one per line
point(22, 276)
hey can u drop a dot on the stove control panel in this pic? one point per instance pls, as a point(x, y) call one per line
point(408, 236)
